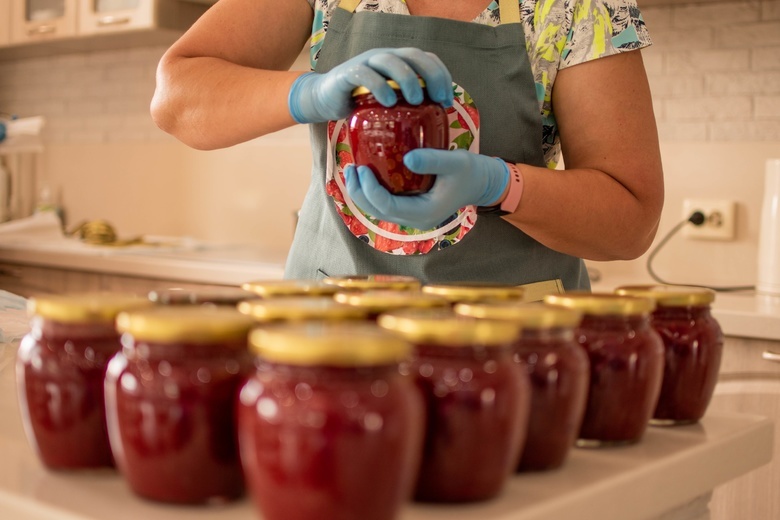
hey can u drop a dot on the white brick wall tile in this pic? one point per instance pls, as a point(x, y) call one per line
point(716, 14)
point(86, 136)
point(749, 83)
point(709, 108)
point(653, 60)
point(770, 10)
point(682, 131)
point(765, 58)
point(744, 131)
point(676, 86)
point(695, 38)
point(768, 107)
point(749, 35)
point(85, 107)
point(707, 60)
point(656, 17)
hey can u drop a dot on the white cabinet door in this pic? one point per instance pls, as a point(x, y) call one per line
point(40, 20)
point(100, 16)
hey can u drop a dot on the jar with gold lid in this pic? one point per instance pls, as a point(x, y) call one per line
point(60, 367)
point(477, 402)
point(207, 295)
point(375, 282)
point(376, 302)
point(465, 292)
point(170, 400)
point(284, 288)
point(301, 308)
point(559, 372)
point(328, 425)
point(626, 365)
point(693, 343)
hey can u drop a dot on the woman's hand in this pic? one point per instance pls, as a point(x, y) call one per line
point(462, 178)
point(316, 98)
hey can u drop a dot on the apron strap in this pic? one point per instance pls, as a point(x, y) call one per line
point(508, 9)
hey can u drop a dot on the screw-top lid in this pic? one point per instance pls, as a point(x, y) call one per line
point(186, 324)
point(88, 307)
point(670, 295)
point(272, 288)
point(529, 315)
point(393, 84)
point(300, 308)
point(375, 281)
point(602, 304)
point(330, 344)
point(475, 292)
point(386, 300)
point(215, 295)
point(445, 328)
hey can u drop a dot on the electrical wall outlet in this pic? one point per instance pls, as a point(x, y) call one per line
point(719, 219)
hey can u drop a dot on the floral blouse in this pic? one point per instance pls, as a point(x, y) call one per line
point(558, 34)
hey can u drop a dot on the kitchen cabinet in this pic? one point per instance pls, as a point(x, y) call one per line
point(749, 382)
point(106, 16)
point(42, 20)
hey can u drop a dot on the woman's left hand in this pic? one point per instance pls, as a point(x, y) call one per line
point(462, 178)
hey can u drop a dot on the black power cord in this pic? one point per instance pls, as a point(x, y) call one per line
point(697, 218)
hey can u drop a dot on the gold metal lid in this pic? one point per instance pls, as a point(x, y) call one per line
point(87, 307)
point(186, 323)
point(670, 295)
point(217, 295)
point(445, 328)
point(529, 315)
point(475, 292)
point(273, 288)
point(382, 300)
point(375, 281)
point(602, 304)
point(300, 308)
point(393, 84)
point(329, 344)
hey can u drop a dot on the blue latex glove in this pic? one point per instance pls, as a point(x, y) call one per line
point(462, 178)
point(316, 98)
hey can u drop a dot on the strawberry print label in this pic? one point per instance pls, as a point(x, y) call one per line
point(389, 237)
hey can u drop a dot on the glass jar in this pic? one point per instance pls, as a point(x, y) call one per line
point(375, 282)
point(278, 288)
point(328, 426)
point(215, 295)
point(559, 371)
point(693, 343)
point(170, 400)
point(475, 292)
point(60, 367)
point(626, 365)
point(380, 137)
point(301, 308)
point(377, 302)
point(477, 402)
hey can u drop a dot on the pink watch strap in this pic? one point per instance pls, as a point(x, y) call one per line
point(512, 199)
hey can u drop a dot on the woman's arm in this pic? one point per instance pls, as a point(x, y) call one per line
point(607, 202)
point(226, 80)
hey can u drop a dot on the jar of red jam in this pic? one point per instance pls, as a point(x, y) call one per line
point(626, 365)
point(477, 402)
point(301, 308)
point(693, 343)
point(559, 371)
point(170, 401)
point(377, 302)
point(374, 282)
point(59, 372)
point(279, 288)
point(211, 295)
point(464, 292)
point(380, 137)
point(329, 428)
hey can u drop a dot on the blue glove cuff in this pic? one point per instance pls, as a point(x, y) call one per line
point(294, 102)
point(496, 184)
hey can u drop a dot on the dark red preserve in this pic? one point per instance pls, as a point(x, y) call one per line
point(626, 365)
point(693, 343)
point(328, 426)
point(170, 402)
point(380, 136)
point(59, 371)
point(477, 402)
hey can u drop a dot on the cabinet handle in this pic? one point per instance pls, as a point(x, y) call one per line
point(42, 29)
point(113, 20)
point(771, 355)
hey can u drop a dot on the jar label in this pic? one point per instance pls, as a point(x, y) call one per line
point(389, 237)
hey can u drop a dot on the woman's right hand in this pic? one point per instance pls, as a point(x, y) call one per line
point(316, 98)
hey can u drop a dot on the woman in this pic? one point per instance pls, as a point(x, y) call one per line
point(546, 77)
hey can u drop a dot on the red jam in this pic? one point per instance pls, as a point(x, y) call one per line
point(559, 372)
point(59, 370)
point(328, 426)
point(477, 402)
point(693, 343)
point(626, 365)
point(381, 136)
point(170, 400)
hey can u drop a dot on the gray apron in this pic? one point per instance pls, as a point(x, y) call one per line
point(491, 64)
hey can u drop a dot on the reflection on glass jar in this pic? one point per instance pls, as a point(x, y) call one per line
point(170, 399)
point(59, 371)
point(626, 365)
point(559, 372)
point(693, 343)
point(477, 402)
point(328, 426)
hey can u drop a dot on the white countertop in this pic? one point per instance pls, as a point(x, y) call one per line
point(669, 468)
